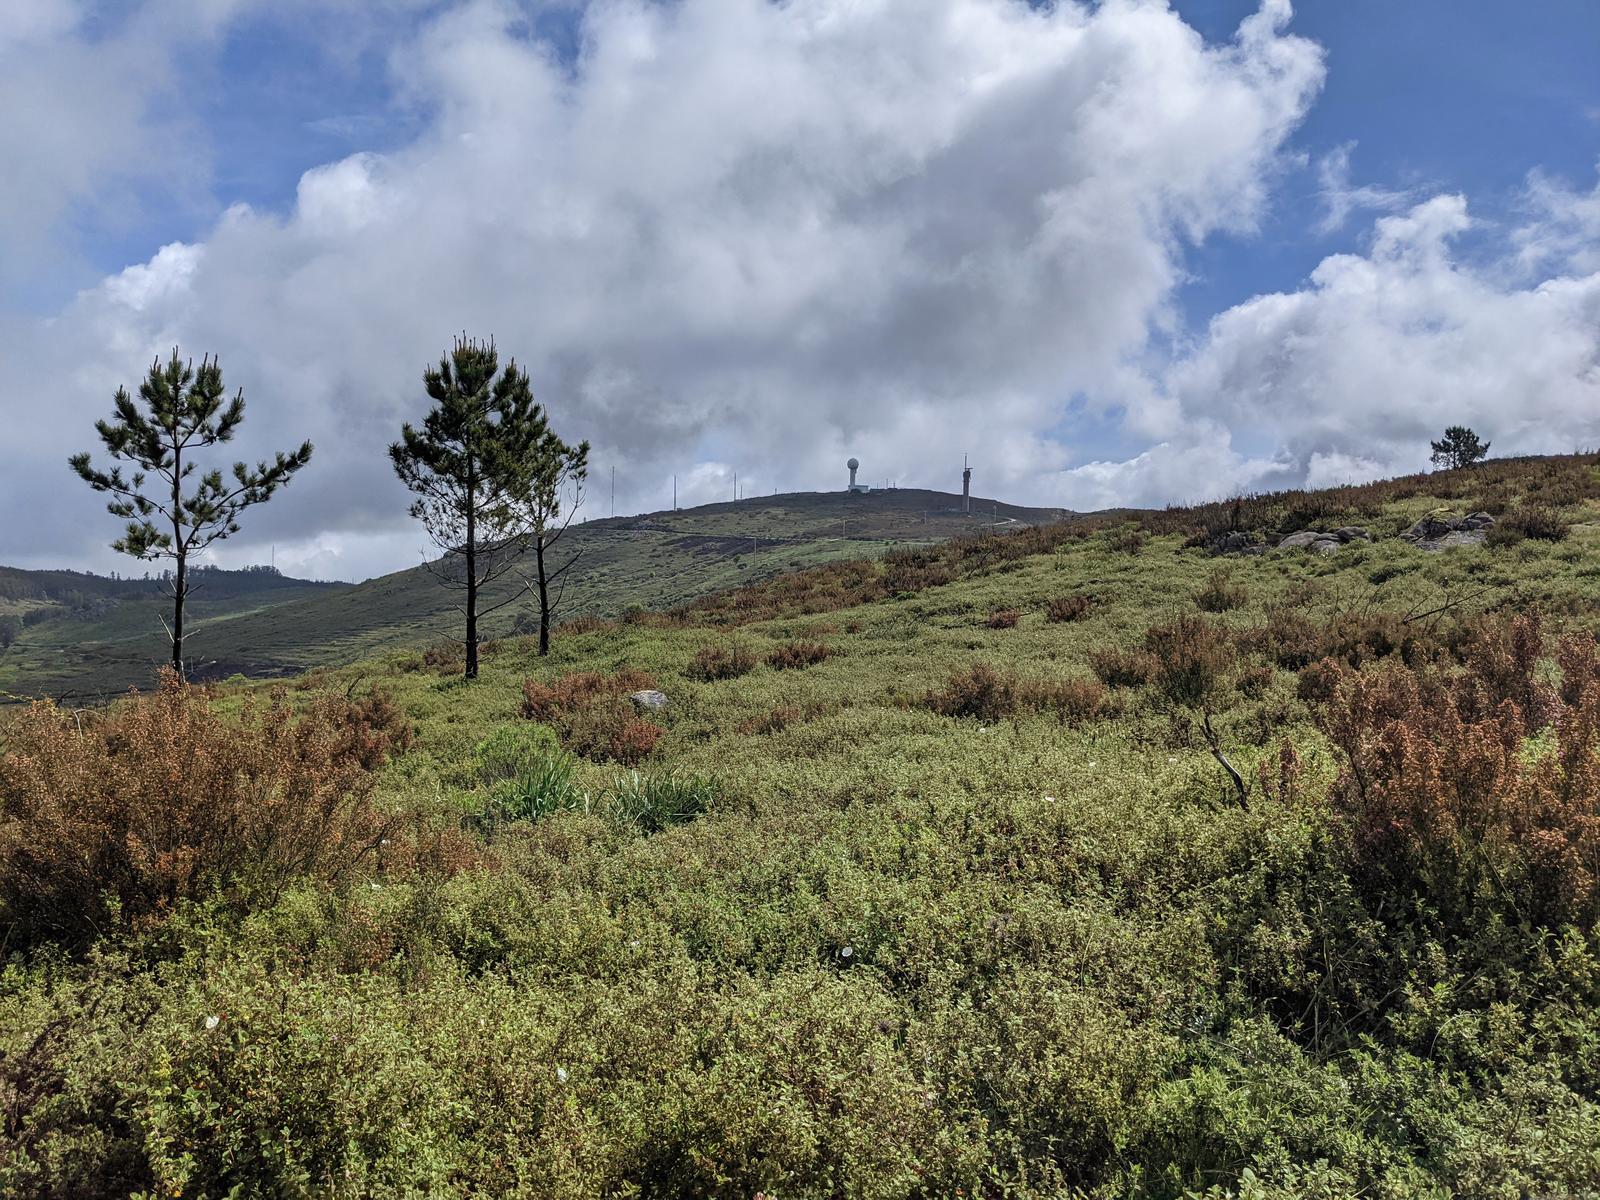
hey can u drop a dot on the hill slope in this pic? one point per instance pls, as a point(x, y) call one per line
point(655, 560)
point(962, 905)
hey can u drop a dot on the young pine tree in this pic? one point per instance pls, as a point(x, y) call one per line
point(183, 413)
point(1459, 447)
point(487, 473)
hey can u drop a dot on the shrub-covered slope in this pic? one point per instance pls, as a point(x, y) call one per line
point(1076, 862)
point(652, 561)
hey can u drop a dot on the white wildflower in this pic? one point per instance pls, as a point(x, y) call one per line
point(213, 1021)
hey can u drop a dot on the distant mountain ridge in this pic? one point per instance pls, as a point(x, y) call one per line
point(105, 635)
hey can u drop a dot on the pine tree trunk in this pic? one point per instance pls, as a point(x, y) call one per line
point(472, 606)
point(180, 585)
point(181, 574)
point(544, 598)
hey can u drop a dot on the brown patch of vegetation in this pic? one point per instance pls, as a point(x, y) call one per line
point(1116, 667)
point(980, 691)
point(798, 654)
point(1443, 798)
point(546, 702)
point(1220, 594)
point(1537, 521)
point(1065, 609)
point(1003, 618)
point(712, 663)
point(123, 814)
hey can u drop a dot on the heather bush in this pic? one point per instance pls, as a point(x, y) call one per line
point(793, 656)
point(1537, 521)
point(1117, 667)
point(1448, 803)
point(609, 730)
point(712, 663)
point(1065, 609)
point(1189, 657)
point(1220, 594)
point(978, 691)
point(1003, 618)
point(121, 815)
point(569, 693)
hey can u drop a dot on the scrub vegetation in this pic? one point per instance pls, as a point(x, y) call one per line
point(1274, 880)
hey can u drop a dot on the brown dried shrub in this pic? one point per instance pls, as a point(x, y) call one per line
point(1003, 618)
point(1190, 657)
point(712, 663)
point(1064, 609)
point(1072, 700)
point(1116, 667)
point(1445, 801)
point(161, 799)
point(609, 730)
point(444, 656)
point(1220, 594)
point(1538, 521)
point(792, 656)
point(548, 702)
point(979, 691)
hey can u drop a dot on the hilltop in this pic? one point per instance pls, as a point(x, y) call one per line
point(100, 636)
point(930, 879)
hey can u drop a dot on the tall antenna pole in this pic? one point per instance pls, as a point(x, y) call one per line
point(613, 489)
point(674, 493)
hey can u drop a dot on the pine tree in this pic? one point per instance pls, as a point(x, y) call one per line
point(1459, 447)
point(486, 471)
point(184, 411)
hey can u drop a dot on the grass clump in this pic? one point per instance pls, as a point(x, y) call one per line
point(526, 774)
point(653, 802)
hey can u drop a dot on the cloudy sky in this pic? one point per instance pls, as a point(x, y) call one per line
point(1125, 252)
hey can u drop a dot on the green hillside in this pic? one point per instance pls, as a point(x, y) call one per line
point(930, 880)
point(655, 561)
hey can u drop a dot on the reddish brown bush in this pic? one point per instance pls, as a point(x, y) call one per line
point(160, 799)
point(980, 691)
point(609, 730)
point(1253, 681)
point(1190, 656)
point(444, 656)
point(1063, 609)
point(793, 656)
point(711, 663)
point(548, 702)
point(1072, 700)
point(1116, 667)
point(1003, 618)
point(1444, 799)
point(1220, 594)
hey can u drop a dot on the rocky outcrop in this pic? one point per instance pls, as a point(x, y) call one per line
point(649, 699)
point(1443, 531)
point(1319, 541)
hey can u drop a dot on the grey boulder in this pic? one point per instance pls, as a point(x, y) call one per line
point(649, 699)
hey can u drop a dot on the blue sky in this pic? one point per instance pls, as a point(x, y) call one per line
point(725, 243)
